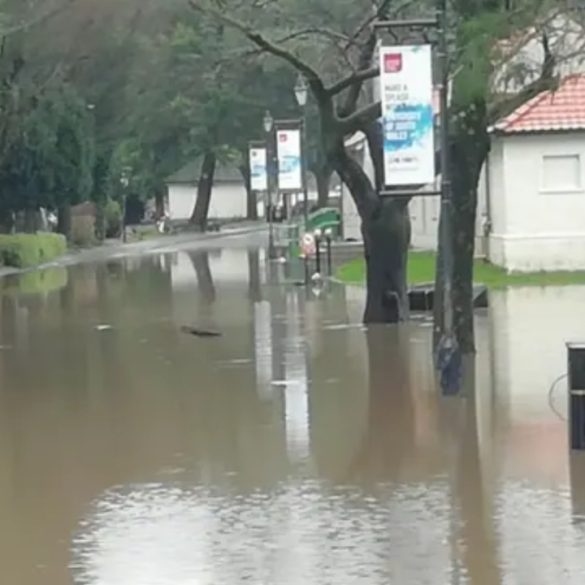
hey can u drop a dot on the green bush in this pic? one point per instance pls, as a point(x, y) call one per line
point(113, 219)
point(26, 250)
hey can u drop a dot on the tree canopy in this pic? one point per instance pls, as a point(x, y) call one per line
point(145, 86)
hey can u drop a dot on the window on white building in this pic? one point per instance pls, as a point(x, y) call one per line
point(561, 173)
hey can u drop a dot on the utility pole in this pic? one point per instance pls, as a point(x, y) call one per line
point(447, 353)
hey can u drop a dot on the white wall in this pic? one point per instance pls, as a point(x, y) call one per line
point(534, 228)
point(228, 200)
point(424, 217)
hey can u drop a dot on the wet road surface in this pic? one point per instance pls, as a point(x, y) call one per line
point(297, 448)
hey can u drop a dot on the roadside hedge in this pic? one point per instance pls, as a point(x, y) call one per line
point(27, 250)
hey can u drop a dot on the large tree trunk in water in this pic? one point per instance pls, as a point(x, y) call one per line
point(200, 261)
point(385, 230)
point(204, 189)
point(251, 203)
point(323, 178)
point(64, 220)
point(159, 202)
point(469, 149)
point(386, 234)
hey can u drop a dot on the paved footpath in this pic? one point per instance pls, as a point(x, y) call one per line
point(116, 249)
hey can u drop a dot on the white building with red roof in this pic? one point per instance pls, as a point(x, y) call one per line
point(533, 193)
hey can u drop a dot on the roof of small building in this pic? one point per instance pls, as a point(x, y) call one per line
point(562, 109)
point(191, 172)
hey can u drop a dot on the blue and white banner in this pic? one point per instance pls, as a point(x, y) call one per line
point(258, 175)
point(290, 175)
point(406, 78)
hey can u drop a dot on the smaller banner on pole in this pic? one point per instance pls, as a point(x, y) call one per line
point(406, 80)
point(258, 174)
point(290, 176)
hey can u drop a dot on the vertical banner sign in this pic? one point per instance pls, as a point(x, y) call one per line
point(290, 176)
point(258, 175)
point(407, 108)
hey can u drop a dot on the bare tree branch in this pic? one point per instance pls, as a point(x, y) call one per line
point(313, 78)
point(350, 80)
point(324, 32)
point(355, 85)
point(24, 26)
point(379, 11)
point(361, 118)
point(546, 81)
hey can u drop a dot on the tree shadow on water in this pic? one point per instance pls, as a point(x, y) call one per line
point(254, 280)
point(200, 261)
point(389, 442)
point(473, 535)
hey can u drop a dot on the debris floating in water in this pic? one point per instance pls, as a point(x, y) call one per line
point(199, 332)
point(103, 327)
point(285, 383)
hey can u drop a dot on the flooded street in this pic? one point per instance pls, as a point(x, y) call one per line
point(295, 449)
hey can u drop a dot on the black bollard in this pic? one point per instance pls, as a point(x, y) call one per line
point(318, 253)
point(329, 260)
point(576, 370)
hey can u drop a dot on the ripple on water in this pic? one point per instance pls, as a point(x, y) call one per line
point(300, 533)
point(539, 540)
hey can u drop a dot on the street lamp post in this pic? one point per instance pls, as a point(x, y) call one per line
point(268, 123)
point(302, 94)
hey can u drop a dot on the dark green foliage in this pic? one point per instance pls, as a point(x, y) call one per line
point(48, 151)
point(113, 219)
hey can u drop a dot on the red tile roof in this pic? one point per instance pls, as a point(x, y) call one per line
point(559, 110)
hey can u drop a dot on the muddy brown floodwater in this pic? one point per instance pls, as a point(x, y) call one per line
point(295, 449)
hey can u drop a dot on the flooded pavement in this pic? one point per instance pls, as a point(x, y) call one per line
point(297, 448)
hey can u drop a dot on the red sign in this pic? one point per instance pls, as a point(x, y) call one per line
point(393, 63)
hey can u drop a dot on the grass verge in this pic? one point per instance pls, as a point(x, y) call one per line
point(421, 270)
point(28, 250)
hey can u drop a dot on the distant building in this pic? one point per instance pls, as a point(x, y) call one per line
point(534, 184)
point(228, 197)
point(531, 198)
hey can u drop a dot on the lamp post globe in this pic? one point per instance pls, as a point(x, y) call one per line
point(301, 91)
point(268, 122)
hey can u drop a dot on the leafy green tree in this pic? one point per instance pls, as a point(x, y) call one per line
point(49, 159)
point(323, 41)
